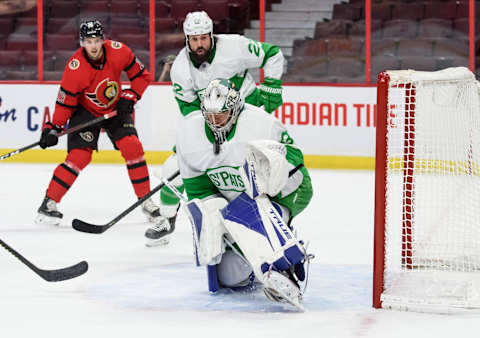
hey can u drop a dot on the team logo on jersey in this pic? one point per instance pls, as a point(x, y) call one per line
point(87, 136)
point(226, 178)
point(105, 93)
point(116, 45)
point(74, 64)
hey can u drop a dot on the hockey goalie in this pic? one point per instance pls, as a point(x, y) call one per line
point(245, 180)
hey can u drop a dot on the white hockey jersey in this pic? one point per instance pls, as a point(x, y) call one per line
point(206, 173)
point(231, 58)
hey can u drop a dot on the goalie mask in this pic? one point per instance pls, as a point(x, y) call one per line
point(221, 105)
point(197, 23)
point(91, 29)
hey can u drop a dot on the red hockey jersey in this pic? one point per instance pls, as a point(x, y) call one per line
point(96, 87)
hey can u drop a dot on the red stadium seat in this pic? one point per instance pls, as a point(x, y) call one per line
point(218, 12)
point(344, 47)
point(385, 47)
point(400, 28)
point(408, 11)
point(419, 47)
point(21, 41)
point(169, 43)
point(21, 75)
point(162, 9)
point(181, 8)
point(10, 57)
point(358, 29)
point(165, 25)
point(382, 11)
point(128, 8)
point(62, 25)
point(26, 26)
point(462, 10)
point(95, 9)
point(49, 75)
point(447, 10)
point(332, 28)
point(135, 41)
point(419, 63)
point(7, 25)
point(61, 57)
point(64, 9)
point(381, 63)
point(124, 25)
point(346, 11)
point(63, 41)
point(450, 47)
point(435, 28)
point(344, 66)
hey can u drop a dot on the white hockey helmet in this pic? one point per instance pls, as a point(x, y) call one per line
point(219, 97)
point(197, 23)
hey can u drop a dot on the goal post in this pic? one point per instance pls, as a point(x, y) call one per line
point(427, 191)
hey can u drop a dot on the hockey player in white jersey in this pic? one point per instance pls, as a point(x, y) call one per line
point(245, 181)
point(205, 57)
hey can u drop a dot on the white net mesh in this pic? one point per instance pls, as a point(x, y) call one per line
point(432, 226)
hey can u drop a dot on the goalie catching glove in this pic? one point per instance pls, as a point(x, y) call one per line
point(265, 171)
point(49, 136)
point(271, 94)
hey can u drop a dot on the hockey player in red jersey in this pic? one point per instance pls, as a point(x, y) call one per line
point(90, 88)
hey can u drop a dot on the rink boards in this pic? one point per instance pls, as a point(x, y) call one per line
point(334, 125)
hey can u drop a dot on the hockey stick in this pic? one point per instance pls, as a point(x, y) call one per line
point(98, 229)
point(50, 275)
point(65, 132)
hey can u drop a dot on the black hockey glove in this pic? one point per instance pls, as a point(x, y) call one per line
point(125, 104)
point(49, 136)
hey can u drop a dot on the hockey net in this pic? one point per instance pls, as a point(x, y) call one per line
point(427, 191)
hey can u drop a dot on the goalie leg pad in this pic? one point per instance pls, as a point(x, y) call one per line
point(208, 229)
point(262, 234)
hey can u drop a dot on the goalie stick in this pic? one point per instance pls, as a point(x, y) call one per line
point(50, 275)
point(98, 229)
point(65, 132)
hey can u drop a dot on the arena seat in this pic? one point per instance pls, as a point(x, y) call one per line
point(418, 47)
point(435, 28)
point(345, 66)
point(20, 42)
point(64, 9)
point(125, 8)
point(418, 63)
point(10, 57)
point(334, 28)
point(447, 10)
point(165, 25)
point(62, 25)
point(408, 11)
point(358, 29)
point(181, 8)
point(21, 75)
point(51, 75)
point(63, 41)
point(400, 28)
point(380, 63)
point(346, 11)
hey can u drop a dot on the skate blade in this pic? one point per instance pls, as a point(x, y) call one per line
point(274, 291)
point(44, 219)
point(151, 243)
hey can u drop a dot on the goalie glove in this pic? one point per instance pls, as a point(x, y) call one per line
point(271, 94)
point(49, 136)
point(265, 171)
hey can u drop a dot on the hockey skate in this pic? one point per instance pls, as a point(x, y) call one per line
point(151, 210)
point(48, 213)
point(159, 234)
point(280, 288)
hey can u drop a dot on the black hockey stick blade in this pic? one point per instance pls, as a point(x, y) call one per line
point(82, 226)
point(65, 273)
point(49, 275)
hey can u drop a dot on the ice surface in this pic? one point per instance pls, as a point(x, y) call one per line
point(134, 291)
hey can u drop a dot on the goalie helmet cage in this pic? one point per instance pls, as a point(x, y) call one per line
point(427, 191)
